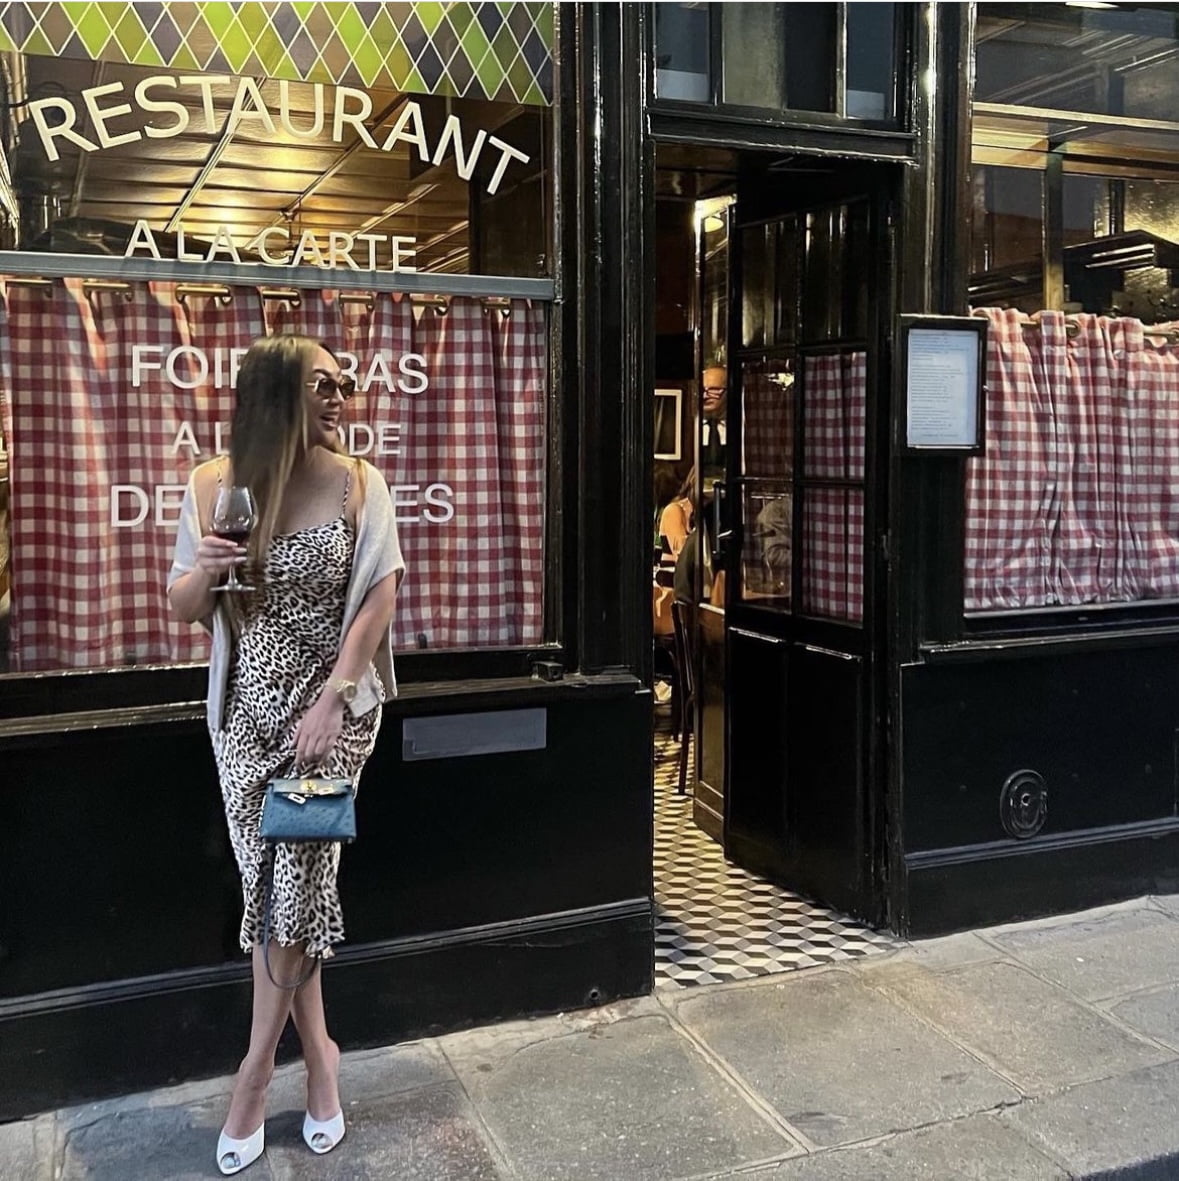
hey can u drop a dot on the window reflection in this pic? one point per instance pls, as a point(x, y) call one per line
point(870, 57)
point(682, 52)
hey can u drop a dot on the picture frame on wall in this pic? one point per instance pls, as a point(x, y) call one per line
point(669, 422)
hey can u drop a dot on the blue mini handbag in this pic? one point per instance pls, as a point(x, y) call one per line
point(295, 811)
point(310, 808)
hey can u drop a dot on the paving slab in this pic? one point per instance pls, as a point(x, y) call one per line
point(1155, 1013)
point(978, 1148)
point(1123, 1127)
point(1032, 1031)
point(629, 1099)
point(20, 1159)
point(839, 1061)
point(150, 1144)
point(1101, 956)
point(929, 955)
point(425, 1135)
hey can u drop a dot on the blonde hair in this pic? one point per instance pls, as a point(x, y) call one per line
point(270, 425)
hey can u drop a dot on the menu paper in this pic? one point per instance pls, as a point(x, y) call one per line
point(942, 388)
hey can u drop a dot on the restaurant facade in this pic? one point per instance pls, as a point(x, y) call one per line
point(934, 624)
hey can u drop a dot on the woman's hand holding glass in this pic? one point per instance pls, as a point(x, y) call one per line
point(216, 556)
point(234, 517)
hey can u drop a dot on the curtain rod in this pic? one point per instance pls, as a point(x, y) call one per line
point(224, 293)
point(1072, 329)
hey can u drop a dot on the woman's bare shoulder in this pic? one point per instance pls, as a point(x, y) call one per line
point(206, 475)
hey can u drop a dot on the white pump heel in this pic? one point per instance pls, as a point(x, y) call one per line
point(235, 1155)
point(323, 1135)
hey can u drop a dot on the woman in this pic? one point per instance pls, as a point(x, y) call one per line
point(299, 668)
point(675, 521)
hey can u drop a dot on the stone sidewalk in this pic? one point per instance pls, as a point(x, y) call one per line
point(1040, 1050)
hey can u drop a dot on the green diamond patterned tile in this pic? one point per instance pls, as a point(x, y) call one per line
point(148, 55)
point(218, 17)
point(38, 43)
point(350, 26)
point(430, 14)
point(130, 34)
point(398, 63)
point(367, 58)
point(185, 59)
point(93, 30)
point(414, 83)
point(320, 72)
point(475, 44)
point(271, 52)
point(112, 10)
point(520, 76)
point(383, 31)
point(545, 25)
point(254, 19)
point(236, 45)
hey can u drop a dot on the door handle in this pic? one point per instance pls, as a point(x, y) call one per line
point(740, 631)
point(720, 535)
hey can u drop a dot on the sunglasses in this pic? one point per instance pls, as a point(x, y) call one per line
point(327, 387)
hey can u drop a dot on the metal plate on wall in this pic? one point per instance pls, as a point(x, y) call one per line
point(455, 736)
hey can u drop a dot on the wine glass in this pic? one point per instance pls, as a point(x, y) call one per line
point(234, 516)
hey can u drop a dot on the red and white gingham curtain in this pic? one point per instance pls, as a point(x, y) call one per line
point(477, 436)
point(1073, 501)
point(465, 458)
point(100, 449)
point(1151, 495)
point(834, 415)
point(1009, 500)
point(767, 420)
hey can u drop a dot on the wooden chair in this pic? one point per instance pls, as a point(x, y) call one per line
point(684, 620)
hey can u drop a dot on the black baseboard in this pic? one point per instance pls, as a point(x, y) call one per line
point(956, 889)
point(84, 1044)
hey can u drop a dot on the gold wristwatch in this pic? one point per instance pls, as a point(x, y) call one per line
point(344, 690)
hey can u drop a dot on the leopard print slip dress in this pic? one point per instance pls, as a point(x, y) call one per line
point(287, 644)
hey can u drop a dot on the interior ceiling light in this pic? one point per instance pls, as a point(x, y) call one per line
point(1088, 4)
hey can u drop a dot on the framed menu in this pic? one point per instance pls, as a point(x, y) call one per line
point(944, 367)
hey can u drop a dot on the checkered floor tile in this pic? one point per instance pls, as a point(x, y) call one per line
point(716, 922)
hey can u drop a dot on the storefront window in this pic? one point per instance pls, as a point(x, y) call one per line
point(1075, 253)
point(284, 169)
point(835, 59)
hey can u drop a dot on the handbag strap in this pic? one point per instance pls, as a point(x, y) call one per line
point(266, 913)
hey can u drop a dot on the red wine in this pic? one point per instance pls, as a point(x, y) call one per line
point(239, 536)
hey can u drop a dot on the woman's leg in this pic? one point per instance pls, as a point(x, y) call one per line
point(320, 1053)
point(272, 1007)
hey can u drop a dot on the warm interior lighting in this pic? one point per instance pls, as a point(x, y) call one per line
point(707, 212)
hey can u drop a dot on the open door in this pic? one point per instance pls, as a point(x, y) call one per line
point(804, 502)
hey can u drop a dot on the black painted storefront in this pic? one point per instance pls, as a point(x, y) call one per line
point(495, 886)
